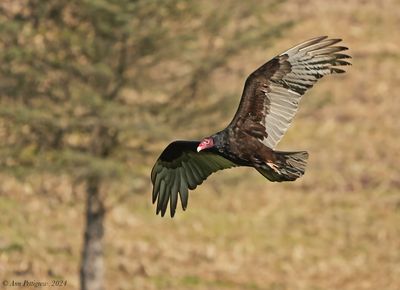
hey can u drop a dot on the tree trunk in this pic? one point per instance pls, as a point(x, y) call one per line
point(92, 266)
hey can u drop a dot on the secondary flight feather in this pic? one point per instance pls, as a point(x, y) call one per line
point(269, 102)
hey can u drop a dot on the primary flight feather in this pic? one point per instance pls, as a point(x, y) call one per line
point(269, 102)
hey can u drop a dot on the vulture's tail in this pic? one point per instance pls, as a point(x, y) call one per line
point(288, 166)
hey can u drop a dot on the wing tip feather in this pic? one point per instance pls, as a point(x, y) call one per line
point(336, 70)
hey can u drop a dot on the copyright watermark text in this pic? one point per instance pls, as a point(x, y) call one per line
point(33, 283)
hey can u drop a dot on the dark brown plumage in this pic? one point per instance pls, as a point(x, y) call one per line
point(269, 102)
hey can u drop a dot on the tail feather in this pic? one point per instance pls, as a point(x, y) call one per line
point(288, 166)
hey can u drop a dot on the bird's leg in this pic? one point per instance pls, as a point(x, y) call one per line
point(273, 166)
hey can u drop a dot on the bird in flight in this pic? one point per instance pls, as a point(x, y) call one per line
point(269, 102)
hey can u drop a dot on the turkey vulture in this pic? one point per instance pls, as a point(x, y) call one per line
point(269, 101)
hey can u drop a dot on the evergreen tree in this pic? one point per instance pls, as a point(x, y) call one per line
point(89, 88)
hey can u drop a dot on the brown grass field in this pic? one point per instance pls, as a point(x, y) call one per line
point(337, 228)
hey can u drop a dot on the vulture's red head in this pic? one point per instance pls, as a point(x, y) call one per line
point(205, 143)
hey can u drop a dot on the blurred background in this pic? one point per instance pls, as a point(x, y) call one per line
point(92, 91)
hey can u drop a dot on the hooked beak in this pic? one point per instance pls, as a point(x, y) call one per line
point(205, 143)
point(201, 146)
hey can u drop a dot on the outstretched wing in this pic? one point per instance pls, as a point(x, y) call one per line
point(272, 93)
point(179, 168)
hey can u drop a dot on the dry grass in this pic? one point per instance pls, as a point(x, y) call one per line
point(336, 228)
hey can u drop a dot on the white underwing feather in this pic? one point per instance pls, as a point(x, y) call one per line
point(309, 61)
